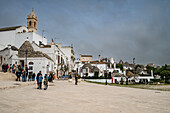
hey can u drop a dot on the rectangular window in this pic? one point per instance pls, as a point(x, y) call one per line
point(58, 59)
point(30, 67)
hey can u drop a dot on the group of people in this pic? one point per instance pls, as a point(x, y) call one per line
point(5, 67)
point(9, 68)
point(19, 71)
point(39, 79)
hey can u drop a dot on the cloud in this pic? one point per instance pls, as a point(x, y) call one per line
point(121, 29)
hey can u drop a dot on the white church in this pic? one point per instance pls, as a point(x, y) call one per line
point(22, 45)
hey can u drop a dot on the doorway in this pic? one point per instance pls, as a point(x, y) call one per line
point(22, 63)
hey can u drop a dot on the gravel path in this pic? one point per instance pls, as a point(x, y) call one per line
point(65, 97)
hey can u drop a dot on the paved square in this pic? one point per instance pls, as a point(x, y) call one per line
point(65, 97)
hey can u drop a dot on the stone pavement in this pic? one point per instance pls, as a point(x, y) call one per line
point(14, 84)
point(65, 97)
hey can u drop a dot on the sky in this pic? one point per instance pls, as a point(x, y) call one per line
point(122, 29)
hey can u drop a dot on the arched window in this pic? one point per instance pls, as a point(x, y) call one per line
point(24, 30)
point(29, 23)
point(31, 63)
point(34, 24)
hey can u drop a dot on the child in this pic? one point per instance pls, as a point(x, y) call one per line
point(45, 82)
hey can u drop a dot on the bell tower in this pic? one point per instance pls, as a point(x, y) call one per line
point(32, 22)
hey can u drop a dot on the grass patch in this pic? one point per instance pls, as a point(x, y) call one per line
point(165, 87)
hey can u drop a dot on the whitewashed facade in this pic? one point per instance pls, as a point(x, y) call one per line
point(69, 52)
point(15, 36)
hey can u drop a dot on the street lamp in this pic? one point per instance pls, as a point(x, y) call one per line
point(26, 52)
point(106, 70)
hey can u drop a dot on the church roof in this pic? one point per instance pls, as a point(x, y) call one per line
point(86, 65)
point(91, 68)
point(129, 74)
point(9, 28)
point(26, 46)
point(86, 55)
point(30, 51)
point(12, 48)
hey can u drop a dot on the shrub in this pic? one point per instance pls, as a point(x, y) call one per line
point(155, 80)
point(93, 77)
point(162, 81)
point(150, 82)
point(167, 81)
point(126, 81)
point(121, 81)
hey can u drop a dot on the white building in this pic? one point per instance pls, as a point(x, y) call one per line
point(69, 52)
point(17, 35)
point(87, 67)
point(36, 60)
point(51, 57)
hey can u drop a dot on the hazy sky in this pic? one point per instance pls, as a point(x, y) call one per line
point(121, 29)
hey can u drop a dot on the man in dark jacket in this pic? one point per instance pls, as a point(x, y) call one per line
point(37, 78)
point(26, 72)
point(76, 78)
point(18, 76)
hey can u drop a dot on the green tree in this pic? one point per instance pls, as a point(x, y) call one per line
point(121, 81)
point(127, 81)
point(164, 71)
point(165, 74)
point(119, 66)
point(149, 68)
point(96, 74)
point(64, 69)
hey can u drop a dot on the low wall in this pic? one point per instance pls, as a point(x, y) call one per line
point(100, 80)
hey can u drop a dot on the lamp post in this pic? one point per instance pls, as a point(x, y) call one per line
point(26, 52)
point(106, 70)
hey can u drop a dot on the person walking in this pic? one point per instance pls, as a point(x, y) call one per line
point(51, 77)
point(3, 67)
point(26, 72)
point(19, 70)
point(7, 67)
point(37, 78)
point(46, 81)
point(13, 68)
point(18, 75)
point(76, 78)
point(29, 76)
point(40, 81)
point(10, 68)
point(23, 76)
point(33, 77)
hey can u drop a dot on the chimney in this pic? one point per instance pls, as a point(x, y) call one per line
point(9, 46)
point(52, 42)
point(152, 73)
point(99, 58)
